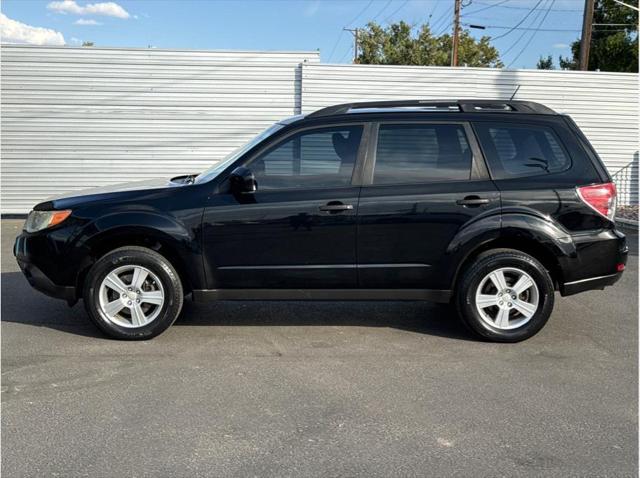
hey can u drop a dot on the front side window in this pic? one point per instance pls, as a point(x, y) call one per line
point(319, 158)
point(518, 150)
point(217, 168)
point(419, 153)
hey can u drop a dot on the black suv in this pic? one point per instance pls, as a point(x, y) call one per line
point(489, 205)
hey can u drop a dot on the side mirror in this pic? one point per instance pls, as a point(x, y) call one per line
point(243, 181)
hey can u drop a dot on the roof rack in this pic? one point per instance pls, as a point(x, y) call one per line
point(501, 106)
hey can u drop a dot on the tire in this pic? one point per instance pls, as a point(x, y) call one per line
point(494, 315)
point(150, 301)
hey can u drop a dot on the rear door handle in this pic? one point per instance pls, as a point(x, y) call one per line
point(472, 201)
point(336, 207)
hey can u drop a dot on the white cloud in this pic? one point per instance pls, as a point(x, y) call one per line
point(12, 31)
point(560, 46)
point(82, 21)
point(108, 9)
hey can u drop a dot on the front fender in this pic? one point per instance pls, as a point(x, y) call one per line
point(114, 229)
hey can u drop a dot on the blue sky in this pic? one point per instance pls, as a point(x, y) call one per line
point(285, 24)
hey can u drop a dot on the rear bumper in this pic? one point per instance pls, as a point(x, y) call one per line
point(595, 264)
point(592, 283)
point(36, 277)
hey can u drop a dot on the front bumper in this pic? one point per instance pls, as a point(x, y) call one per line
point(36, 277)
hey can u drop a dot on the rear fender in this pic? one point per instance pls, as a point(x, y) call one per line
point(537, 228)
point(515, 231)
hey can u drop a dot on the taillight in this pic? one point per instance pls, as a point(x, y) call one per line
point(600, 197)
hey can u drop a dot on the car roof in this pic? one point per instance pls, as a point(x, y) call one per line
point(431, 106)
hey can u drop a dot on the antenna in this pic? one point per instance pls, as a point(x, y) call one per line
point(514, 93)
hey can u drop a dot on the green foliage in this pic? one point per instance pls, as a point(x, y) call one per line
point(545, 63)
point(611, 50)
point(397, 45)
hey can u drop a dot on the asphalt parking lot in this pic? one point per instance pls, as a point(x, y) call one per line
point(318, 389)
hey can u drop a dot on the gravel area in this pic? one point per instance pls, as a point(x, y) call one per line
point(627, 212)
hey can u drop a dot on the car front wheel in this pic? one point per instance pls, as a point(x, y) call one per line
point(133, 293)
point(505, 296)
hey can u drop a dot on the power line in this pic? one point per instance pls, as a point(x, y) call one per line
point(437, 23)
point(396, 11)
point(525, 28)
point(380, 12)
point(333, 50)
point(533, 34)
point(627, 5)
point(447, 26)
point(433, 10)
point(345, 54)
point(361, 12)
point(524, 33)
point(488, 7)
point(513, 7)
point(428, 18)
point(520, 22)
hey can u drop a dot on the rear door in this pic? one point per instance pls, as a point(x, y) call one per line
point(424, 181)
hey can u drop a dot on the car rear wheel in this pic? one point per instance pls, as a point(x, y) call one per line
point(505, 296)
point(133, 293)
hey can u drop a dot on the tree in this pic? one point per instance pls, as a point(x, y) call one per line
point(87, 43)
point(397, 45)
point(545, 63)
point(613, 48)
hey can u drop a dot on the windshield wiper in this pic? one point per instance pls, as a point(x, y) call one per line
point(541, 163)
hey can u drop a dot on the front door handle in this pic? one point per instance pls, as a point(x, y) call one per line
point(472, 201)
point(336, 207)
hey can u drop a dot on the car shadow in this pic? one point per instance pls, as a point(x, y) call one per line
point(22, 304)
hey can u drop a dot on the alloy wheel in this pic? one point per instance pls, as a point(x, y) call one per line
point(507, 298)
point(131, 296)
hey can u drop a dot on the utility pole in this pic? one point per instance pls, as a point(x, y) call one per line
point(585, 40)
point(456, 32)
point(354, 31)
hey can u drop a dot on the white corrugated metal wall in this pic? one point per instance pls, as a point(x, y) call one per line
point(79, 117)
point(604, 105)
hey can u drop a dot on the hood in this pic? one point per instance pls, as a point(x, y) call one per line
point(72, 198)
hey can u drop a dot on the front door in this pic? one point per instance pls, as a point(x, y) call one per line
point(298, 230)
point(427, 182)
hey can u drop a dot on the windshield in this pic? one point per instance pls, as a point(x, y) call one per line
point(217, 168)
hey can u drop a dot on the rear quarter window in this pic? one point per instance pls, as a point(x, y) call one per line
point(520, 150)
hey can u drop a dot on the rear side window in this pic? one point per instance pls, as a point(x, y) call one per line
point(418, 153)
point(518, 150)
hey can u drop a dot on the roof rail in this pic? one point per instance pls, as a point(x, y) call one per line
point(497, 105)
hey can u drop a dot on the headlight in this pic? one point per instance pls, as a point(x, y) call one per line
point(38, 220)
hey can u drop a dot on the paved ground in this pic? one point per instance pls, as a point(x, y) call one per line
point(325, 389)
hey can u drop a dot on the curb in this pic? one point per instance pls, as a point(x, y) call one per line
point(626, 222)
